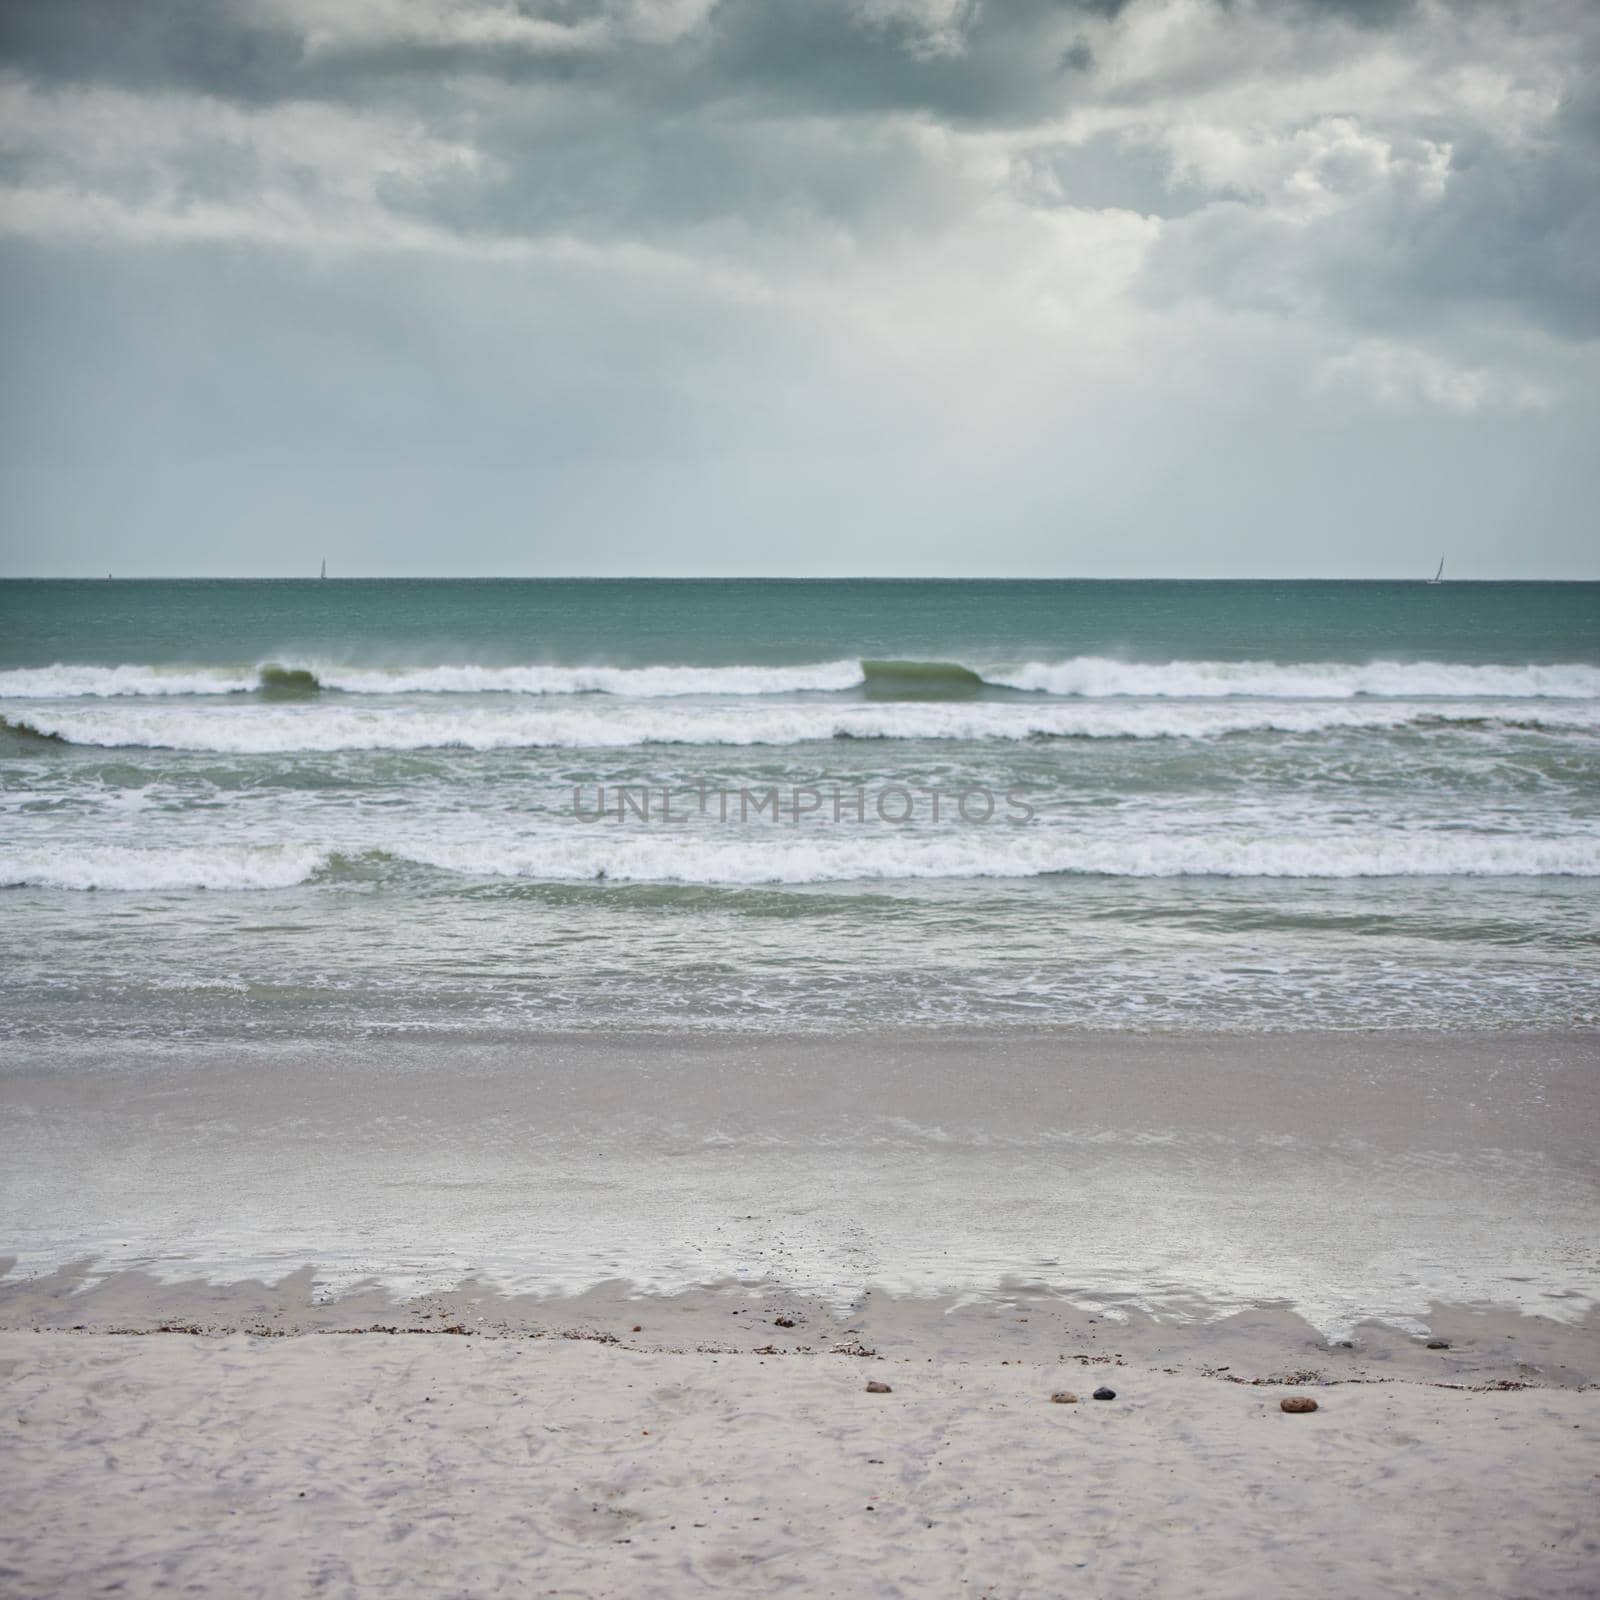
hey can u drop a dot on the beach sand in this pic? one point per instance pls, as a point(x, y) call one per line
point(597, 1317)
point(447, 1465)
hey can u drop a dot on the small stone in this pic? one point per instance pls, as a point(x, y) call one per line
point(1103, 1393)
point(1297, 1403)
point(783, 1322)
point(874, 1387)
point(1438, 1344)
point(637, 1328)
point(1064, 1397)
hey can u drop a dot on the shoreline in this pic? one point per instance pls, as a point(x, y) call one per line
point(1346, 1177)
point(1483, 1346)
point(597, 1315)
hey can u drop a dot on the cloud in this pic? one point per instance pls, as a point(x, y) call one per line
point(873, 230)
point(1406, 378)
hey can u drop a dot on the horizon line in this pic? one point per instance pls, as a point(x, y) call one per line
point(713, 577)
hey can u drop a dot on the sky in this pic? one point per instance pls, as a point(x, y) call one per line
point(1190, 288)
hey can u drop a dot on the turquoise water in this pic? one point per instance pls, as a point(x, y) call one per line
point(641, 622)
point(261, 807)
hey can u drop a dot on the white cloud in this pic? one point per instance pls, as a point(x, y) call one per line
point(482, 24)
point(1403, 377)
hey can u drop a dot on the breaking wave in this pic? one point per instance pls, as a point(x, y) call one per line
point(920, 680)
point(266, 730)
point(761, 860)
point(26, 731)
point(1083, 677)
point(86, 682)
point(601, 856)
point(130, 870)
point(288, 683)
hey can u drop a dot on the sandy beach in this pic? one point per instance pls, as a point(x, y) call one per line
point(450, 1465)
point(596, 1316)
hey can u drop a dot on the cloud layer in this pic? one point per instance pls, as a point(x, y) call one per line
point(871, 285)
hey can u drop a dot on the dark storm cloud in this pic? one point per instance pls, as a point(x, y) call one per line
point(600, 115)
point(1521, 226)
point(205, 45)
point(823, 55)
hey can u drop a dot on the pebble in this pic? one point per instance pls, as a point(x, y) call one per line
point(783, 1322)
point(1103, 1393)
point(1298, 1402)
point(874, 1387)
point(1064, 1397)
point(1438, 1344)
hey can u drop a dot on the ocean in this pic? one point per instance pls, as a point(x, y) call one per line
point(242, 809)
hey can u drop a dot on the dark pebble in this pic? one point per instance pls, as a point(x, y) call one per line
point(1103, 1393)
point(1438, 1344)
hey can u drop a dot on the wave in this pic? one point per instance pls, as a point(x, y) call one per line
point(1082, 677)
point(26, 731)
point(321, 728)
point(598, 855)
point(1092, 677)
point(745, 861)
point(68, 682)
point(288, 683)
point(130, 870)
point(920, 680)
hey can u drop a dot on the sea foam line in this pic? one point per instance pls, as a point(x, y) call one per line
point(1090, 677)
point(70, 682)
point(748, 861)
point(316, 727)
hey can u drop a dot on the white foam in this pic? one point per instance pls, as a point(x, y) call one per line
point(244, 728)
point(71, 682)
point(768, 854)
point(971, 854)
point(113, 867)
point(1097, 677)
point(638, 682)
point(1084, 676)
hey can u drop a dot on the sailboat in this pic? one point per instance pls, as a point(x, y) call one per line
point(1438, 577)
point(325, 566)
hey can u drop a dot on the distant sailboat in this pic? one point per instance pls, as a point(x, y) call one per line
point(325, 566)
point(1438, 577)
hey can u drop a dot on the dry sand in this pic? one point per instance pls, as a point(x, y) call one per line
point(370, 1464)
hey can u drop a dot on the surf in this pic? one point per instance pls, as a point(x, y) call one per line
point(874, 679)
point(920, 680)
point(637, 857)
point(288, 683)
point(313, 725)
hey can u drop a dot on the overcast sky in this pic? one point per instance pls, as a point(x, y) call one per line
point(1172, 287)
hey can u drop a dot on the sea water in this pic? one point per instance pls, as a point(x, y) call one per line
point(319, 808)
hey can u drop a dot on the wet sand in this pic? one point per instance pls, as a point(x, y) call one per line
point(596, 1316)
point(1342, 1176)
